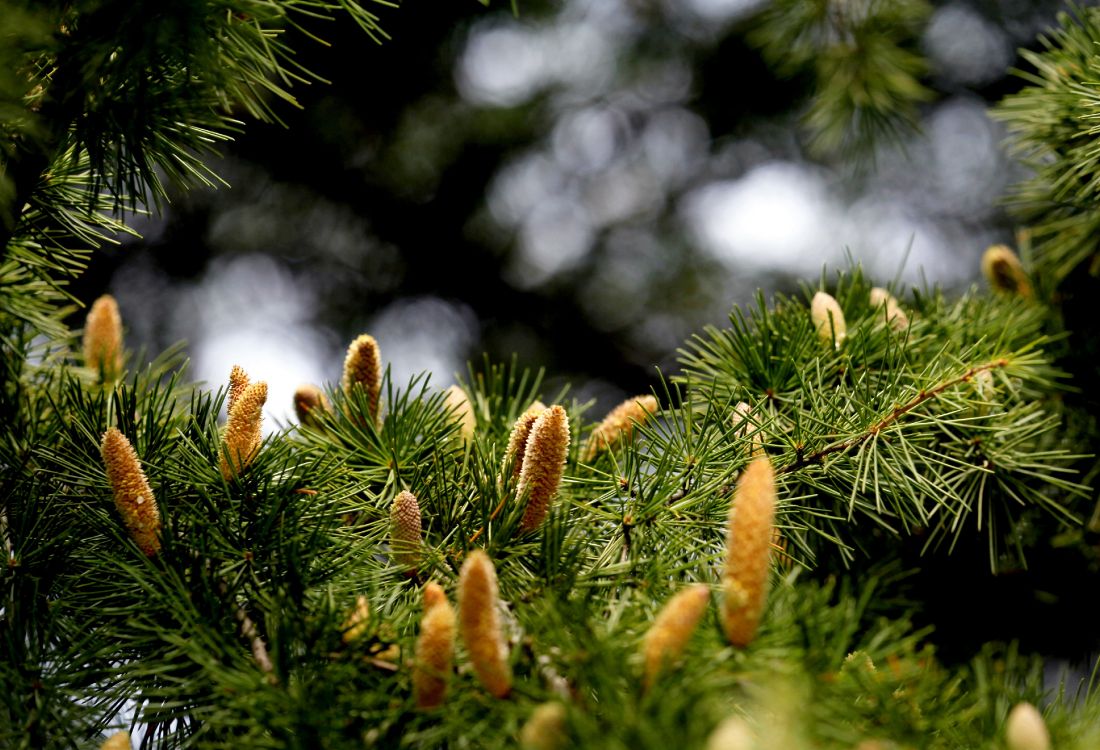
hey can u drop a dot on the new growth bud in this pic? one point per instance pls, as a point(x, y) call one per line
point(895, 316)
point(457, 403)
point(480, 624)
point(434, 649)
point(828, 319)
point(669, 635)
point(1004, 272)
point(355, 627)
point(1025, 729)
point(117, 741)
point(619, 424)
point(405, 531)
point(363, 369)
point(545, 729)
point(244, 430)
point(748, 552)
point(543, 465)
point(517, 440)
point(309, 402)
point(133, 495)
point(103, 339)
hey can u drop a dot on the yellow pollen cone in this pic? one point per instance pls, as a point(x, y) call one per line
point(543, 465)
point(133, 495)
point(479, 624)
point(434, 649)
point(748, 552)
point(103, 339)
point(619, 425)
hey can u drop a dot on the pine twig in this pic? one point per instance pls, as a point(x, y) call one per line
point(249, 631)
point(889, 419)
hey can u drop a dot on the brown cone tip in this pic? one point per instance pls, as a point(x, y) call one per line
point(133, 496)
point(1004, 271)
point(748, 551)
point(103, 338)
point(543, 465)
point(619, 424)
point(479, 624)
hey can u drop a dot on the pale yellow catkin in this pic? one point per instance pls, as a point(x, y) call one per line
point(243, 430)
point(310, 402)
point(458, 405)
point(1004, 271)
point(103, 339)
point(670, 632)
point(434, 649)
point(133, 495)
point(895, 316)
point(828, 319)
point(618, 425)
point(732, 733)
point(238, 381)
point(545, 728)
point(517, 440)
point(405, 531)
point(363, 369)
point(1025, 729)
point(543, 465)
point(748, 552)
point(117, 741)
point(357, 622)
point(479, 623)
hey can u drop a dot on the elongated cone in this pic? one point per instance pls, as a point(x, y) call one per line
point(895, 316)
point(309, 402)
point(358, 622)
point(543, 465)
point(117, 741)
point(1004, 272)
point(244, 430)
point(619, 425)
point(670, 632)
point(133, 495)
point(517, 440)
point(748, 552)
point(457, 403)
point(238, 381)
point(1025, 729)
point(405, 531)
point(545, 729)
point(363, 368)
point(732, 733)
point(828, 319)
point(103, 339)
point(479, 624)
point(435, 648)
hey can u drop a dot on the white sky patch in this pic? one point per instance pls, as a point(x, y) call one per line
point(250, 311)
point(425, 334)
point(556, 236)
point(778, 216)
point(965, 48)
point(722, 10)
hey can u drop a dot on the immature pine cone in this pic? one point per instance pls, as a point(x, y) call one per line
point(238, 381)
point(479, 623)
point(545, 729)
point(828, 319)
point(748, 551)
point(405, 531)
point(543, 465)
point(435, 648)
point(669, 634)
point(103, 339)
point(1025, 729)
point(1004, 272)
point(355, 627)
point(243, 431)
point(619, 424)
point(517, 440)
point(895, 316)
point(133, 495)
point(457, 403)
point(363, 368)
point(309, 402)
point(117, 741)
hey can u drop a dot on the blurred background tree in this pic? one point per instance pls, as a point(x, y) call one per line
point(584, 183)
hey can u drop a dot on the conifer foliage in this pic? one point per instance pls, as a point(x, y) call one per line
point(740, 559)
